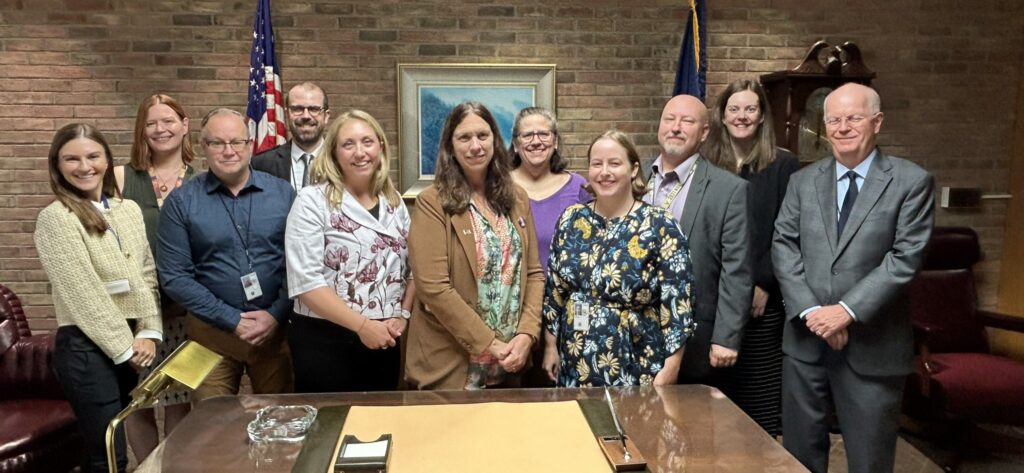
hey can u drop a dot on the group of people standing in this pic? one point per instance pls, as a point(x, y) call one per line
point(303, 267)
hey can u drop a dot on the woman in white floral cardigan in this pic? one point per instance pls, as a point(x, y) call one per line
point(348, 264)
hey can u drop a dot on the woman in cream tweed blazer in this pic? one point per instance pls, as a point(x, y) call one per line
point(93, 247)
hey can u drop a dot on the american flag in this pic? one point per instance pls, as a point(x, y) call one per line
point(266, 108)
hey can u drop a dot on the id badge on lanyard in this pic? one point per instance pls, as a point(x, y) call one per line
point(251, 286)
point(581, 316)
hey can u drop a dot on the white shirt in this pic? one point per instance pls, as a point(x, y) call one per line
point(298, 167)
point(843, 184)
point(364, 260)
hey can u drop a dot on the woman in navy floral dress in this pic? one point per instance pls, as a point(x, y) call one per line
point(617, 298)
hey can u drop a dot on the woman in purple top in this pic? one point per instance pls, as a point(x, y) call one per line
point(540, 170)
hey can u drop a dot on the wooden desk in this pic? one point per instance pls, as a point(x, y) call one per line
point(677, 428)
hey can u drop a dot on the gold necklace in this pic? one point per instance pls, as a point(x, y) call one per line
point(163, 183)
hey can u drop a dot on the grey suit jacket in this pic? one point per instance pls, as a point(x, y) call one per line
point(276, 161)
point(867, 267)
point(717, 229)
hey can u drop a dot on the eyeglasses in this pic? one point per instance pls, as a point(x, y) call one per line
point(298, 109)
point(543, 135)
point(852, 120)
point(218, 146)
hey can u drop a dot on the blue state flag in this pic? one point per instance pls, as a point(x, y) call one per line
point(691, 78)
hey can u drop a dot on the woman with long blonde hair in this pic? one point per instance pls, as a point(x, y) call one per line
point(348, 266)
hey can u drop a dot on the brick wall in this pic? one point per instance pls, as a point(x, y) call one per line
point(946, 71)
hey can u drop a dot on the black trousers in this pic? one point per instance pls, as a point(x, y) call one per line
point(97, 389)
point(327, 357)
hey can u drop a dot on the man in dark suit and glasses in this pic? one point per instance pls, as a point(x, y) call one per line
point(848, 239)
point(308, 114)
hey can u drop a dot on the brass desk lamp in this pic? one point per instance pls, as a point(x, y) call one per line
point(189, 365)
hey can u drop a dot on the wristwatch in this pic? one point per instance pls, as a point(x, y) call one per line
point(406, 314)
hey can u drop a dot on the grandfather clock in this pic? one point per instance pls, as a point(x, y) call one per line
point(797, 97)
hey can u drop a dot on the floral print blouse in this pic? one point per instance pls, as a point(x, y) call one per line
point(632, 274)
point(363, 259)
point(499, 254)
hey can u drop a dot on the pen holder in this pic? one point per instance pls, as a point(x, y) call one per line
point(612, 447)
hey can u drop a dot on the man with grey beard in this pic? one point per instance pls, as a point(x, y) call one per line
point(308, 114)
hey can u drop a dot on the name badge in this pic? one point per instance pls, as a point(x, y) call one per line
point(251, 286)
point(581, 316)
point(119, 286)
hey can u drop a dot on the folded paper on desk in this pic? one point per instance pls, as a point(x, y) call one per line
point(493, 437)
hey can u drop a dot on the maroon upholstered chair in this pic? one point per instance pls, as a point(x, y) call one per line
point(37, 427)
point(956, 377)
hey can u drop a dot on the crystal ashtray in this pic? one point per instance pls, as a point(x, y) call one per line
point(281, 424)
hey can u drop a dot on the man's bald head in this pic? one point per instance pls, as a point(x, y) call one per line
point(853, 119)
point(683, 127)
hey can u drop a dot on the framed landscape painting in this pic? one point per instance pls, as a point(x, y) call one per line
point(428, 92)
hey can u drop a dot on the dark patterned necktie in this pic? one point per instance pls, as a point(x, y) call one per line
point(305, 169)
point(851, 197)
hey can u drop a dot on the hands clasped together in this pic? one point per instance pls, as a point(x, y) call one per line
point(512, 356)
point(256, 327)
point(381, 334)
point(829, 323)
point(145, 352)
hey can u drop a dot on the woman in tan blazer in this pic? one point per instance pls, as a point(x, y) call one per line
point(473, 253)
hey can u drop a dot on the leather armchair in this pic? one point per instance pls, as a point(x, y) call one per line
point(956, 377)
point(37, 427)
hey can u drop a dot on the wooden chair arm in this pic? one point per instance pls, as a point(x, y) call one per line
point(926, 368)
point(1001, 321)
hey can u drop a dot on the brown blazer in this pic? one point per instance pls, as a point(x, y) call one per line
point(445, 327)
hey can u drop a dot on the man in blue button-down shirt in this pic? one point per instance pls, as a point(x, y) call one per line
point(221, 256)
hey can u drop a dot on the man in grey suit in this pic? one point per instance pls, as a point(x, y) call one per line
point(308, 114)
point(849, 237)
point(711, 206)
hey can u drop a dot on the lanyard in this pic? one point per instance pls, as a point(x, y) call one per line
point(238, 230)
point(665, 204)
point(110, 228)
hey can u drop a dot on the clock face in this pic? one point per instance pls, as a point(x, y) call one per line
point(813, 144)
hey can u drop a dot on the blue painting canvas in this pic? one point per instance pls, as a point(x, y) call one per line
point(437, 101)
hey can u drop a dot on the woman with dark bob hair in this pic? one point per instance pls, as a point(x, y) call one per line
point(741, 140)
point(93, 247)
point(617, 298)
point(473, 253)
